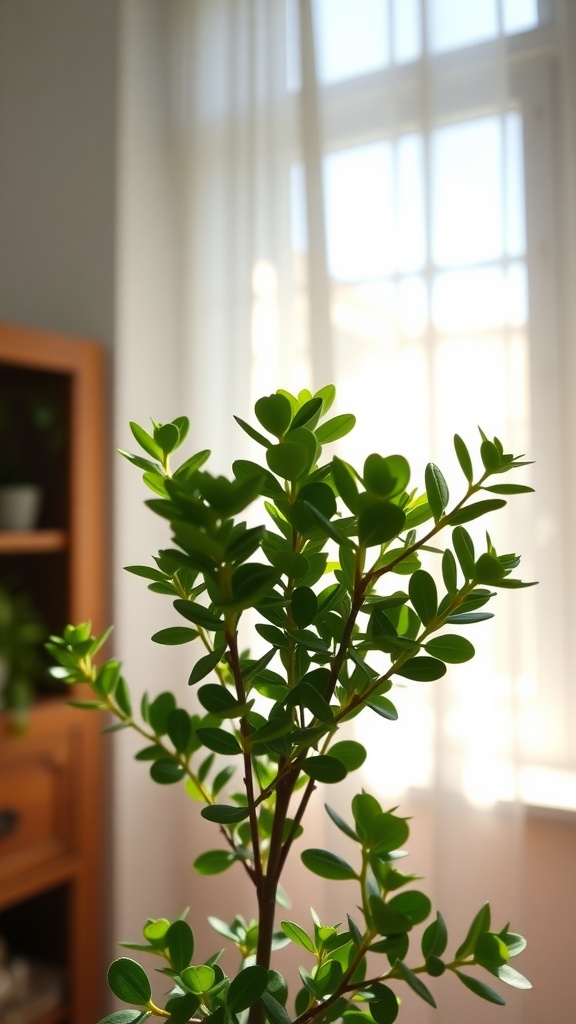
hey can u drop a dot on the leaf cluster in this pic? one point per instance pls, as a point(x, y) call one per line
point(350, 593)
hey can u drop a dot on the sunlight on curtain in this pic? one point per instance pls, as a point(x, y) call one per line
point(370, 199)
point(357, 209)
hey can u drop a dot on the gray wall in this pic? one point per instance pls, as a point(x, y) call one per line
point(58, 108)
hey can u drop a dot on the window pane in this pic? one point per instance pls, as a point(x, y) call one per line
point(520, 15)
point(360, 213)
point(515, 202)
point(466, 187)
point(407, 30)
point(411, 250)
point(469, 301)
point(351, 37)
point(454, 25)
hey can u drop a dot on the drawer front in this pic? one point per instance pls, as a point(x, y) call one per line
point(35, 806)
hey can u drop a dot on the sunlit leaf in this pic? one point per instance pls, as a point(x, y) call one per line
point(450, 647)
point(214, 862)
point(129, 981)
point(463, 456)
point(180, 943)
point(327, 865)
point(436, 490)
point(422, 669)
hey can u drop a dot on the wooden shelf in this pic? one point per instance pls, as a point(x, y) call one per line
point(51, 775)
point(56, 1016)
point(59, 1015)
point(22, 542)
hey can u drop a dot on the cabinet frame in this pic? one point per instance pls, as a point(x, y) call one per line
point(84, 539)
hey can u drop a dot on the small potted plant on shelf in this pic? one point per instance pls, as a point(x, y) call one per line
point(350, 579)
point(31, 433)
point(22, 635)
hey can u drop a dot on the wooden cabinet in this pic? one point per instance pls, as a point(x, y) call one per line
point(51, 776)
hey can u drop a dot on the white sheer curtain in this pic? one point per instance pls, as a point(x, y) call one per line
point(378, 193)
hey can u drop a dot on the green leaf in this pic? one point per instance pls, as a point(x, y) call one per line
point(297, 934)
point(490, 456)
point(335, 428)
point(156, 931)
point(125, 1017)
point(464, 548)
point(345, 481)
point(198, 614)
point(414, 982)
point(324, 768)
point(509, 489)
point(224, 814)
point(179, 729)
point(173, 635)
point(436, 490)
point(488, 569)
point(219, 740)
point(466, 618)
point(205, 665)
point(167, 436)
point(214, 862)
point(379, 521)
point(327, 865)
point(449, 572)
point(166, 771)
point(159, 710)
point(304, 606)
point(475, 510)
point(182, 1008)
point(180, 943)
point(450, 647)
point(386, 477)
point(413, 904)
point(288, 460)
point(423, 595)
point(386, 919)
point(365, 808)
point(309, 411)
point(341, 824)
point(129, 981)
point(219, 701)
point(246, 988)
point(254, 434)
point(512, 977)
point(274, 413)
point(146, 441)
point(198, 979)
point(435, 938)
point(383, 832)
point(422, 669)
point(480, 924)
point(479, 988)
point(384, 1006)
point(383, 707)
point(251, 582)
point(351, 753)
point(275, 1012)
point(463, 456)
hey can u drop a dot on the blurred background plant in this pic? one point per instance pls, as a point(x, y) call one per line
point(22, 666)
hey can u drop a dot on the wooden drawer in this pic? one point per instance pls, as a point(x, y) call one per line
point(35, 803)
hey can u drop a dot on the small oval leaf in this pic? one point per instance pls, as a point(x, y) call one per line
point(129, 981)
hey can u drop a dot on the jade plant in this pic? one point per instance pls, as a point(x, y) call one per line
point(326, 584)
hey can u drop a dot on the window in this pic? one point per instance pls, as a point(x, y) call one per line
point(429, 131)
